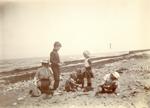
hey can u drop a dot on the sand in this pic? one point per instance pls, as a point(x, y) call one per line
point(134, 89)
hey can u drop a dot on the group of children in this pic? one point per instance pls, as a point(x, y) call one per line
point(47, 78)
point(82, 78)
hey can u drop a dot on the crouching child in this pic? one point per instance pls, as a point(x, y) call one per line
point(109, 84)
point(71, 84)
point(43, 80)
point(79, 76)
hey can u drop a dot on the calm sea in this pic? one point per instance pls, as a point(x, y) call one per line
point(24, 63)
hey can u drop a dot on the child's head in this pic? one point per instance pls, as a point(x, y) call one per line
point(86, 54)
point(45, 63)
point(115, 75)
point(57, 45)
point(72, 76)
point(78, 71)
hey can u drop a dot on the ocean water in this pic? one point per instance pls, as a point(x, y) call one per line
point(24, 63)
point(11, 64)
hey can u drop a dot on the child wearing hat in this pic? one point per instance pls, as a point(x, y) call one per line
point(43, 80)
point(109, 84)
point(88, 74)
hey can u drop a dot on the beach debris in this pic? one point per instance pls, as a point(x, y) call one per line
point(133, 93)
point(2, 81)
point(125, 60)
point(58, 93)
point(21, 98)
point(9, 89)
point(121, 70)
point(15, 103)
point(109, 64)
point(146, 84)
point(147, 87)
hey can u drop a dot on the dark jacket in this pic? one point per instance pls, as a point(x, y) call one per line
point(54, 58)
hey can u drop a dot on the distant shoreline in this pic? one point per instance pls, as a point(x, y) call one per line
point(26, 74)
point(68, 62)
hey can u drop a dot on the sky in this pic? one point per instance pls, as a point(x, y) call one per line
point(29, 29)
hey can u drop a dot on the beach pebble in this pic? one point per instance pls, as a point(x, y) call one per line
point(10, 88)
point(20, 98)
point(146, 84)
point(2, 81)
point(14, 103)
point(147, 87)
point(57, 93)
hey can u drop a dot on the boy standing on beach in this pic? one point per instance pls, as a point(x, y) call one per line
point(88, 74)
point(55, 63)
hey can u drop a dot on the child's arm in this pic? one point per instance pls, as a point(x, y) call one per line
point(90, 62)
point(117, 89)
point(73, 82)
point(51, 78)
point(36, 78)
point(104, 80)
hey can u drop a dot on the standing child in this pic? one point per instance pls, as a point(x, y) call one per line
point(88, 74)
point(55, 63)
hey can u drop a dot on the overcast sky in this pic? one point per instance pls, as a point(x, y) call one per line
point(29, 29)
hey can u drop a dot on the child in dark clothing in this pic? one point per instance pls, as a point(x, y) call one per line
point(55, 63)
point(88, 74)
point(70, 84)
point(80, 77)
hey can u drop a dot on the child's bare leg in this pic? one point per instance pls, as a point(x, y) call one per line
point(85, 82)
point(89, 82)
point(85, 85)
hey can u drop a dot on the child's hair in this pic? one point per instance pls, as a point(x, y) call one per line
point(78, 70)
point(72, 76)
point(57, 44)
point(86, 54)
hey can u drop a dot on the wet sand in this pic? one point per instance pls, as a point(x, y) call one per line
point(134, 88)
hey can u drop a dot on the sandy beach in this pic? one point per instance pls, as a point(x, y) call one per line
point(134, 92)
point(100, 37)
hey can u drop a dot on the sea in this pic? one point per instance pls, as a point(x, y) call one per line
point(25, 63)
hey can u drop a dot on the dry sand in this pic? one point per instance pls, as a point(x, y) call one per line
point(134, 90)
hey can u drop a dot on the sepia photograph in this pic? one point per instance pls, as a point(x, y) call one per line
point(74, 53)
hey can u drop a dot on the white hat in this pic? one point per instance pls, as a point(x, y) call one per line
point(116, 75)
point(45, 61)
point(86, 52)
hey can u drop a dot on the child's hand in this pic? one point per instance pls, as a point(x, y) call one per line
point(51, 87)
point(80, 86)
